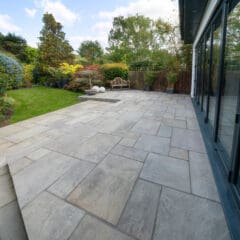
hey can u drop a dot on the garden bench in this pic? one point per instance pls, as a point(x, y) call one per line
point(119, 82)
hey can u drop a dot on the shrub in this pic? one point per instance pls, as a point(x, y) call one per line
point(150, 78)
point(171, 77)
point(112, 70)
point(10, 73)
point(6, 109)
point(70, 69)
point(28, 75)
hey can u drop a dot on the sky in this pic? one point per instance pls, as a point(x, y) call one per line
point(81, 20)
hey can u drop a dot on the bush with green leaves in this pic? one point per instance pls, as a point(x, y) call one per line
point(28, 75)
point(6, 109)
point(112, 70)
point(11, 73)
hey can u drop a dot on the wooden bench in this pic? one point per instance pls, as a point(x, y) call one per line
point(119, 82)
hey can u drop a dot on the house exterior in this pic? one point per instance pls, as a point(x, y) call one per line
point(213, 27)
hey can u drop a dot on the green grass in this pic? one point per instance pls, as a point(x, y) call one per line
point(31, 102)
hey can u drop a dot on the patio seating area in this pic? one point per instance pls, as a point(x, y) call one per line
point(134, 169)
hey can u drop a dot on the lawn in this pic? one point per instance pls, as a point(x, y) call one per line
point(31, 102)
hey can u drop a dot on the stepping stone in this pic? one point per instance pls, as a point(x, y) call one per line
point(50, 218)
point(139, 214)
point(91, 228)
point(129, 152)
point(202, 180)
point(167, 171)
point(147, 126)
point(153, 144)
point(184, 216)
point(188, 139)
point(104, 192)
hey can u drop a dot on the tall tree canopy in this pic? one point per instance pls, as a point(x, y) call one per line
point(135, 38)
point(53, 47)
point(91, 50)
point(15, 45)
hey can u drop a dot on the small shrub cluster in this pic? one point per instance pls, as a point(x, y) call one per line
point(6, 109)
point(28, 75)
point(10, 73)
point(112, 70)
point(85, 78)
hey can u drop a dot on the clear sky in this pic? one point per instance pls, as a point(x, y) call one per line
point(82, 20)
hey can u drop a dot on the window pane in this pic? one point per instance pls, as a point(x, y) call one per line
point(215, 63)
point(206, 68)
point(230, 87)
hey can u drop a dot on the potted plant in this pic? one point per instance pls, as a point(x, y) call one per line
point(149, 80)
point(171, 79)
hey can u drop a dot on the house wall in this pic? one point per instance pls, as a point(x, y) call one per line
point(210, 8)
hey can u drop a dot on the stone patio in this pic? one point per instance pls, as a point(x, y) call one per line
point(133, 169)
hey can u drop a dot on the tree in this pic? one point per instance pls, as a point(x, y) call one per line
point(53, 47)
point(91, 50)
point(15, 45)
point(31, 54)
point(131, 38)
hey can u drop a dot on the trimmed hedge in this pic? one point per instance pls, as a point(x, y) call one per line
point(11, 73)
point(112, 70)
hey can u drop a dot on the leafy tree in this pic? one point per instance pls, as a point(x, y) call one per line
point(15, 45)
point(130, 38)
point(31, 54)
point(91, 50)
point(53, 47)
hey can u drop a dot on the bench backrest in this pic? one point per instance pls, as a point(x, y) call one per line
point(118, 80)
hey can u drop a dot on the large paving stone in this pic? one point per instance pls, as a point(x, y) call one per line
point(105, 190)
point(167, 171)
point(19, 165)
point(40, 175)
point(139, 214)
point(148, 126)
point(183, 216)
point(7, 193)
point(11, 223)
point(129, 152)
point(91, 228)
point(97, 147)
point(188, 139)
point(165, 131)
point(65, 184)
point(202, 180)
point(178, 153)
point(153, 144)
point(49, 218)
point(27, 133)
point(174, 123)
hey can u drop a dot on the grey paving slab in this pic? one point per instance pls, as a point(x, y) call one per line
point(188, 139)
point(139, 214)
point(192, 124)
point(11, 223)
point(6, 189)
point(91, 228)
point(174, 123)
point(128, 142)
point(37, 154)
point(178, 153)
point(183, 216)
point(96, 148)
point(201, 176)
point(40, 175)
point(165, 131)
point(153, 144)
point(130, 152)
point(19, 165)
point(50, 218)
point(27, 133)
point(65, 184)
point(147, 126)
point(105, 190)
point(167, 171)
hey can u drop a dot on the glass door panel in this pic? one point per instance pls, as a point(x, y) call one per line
point(206, 70)
point(215, 65)
point(230, 86)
